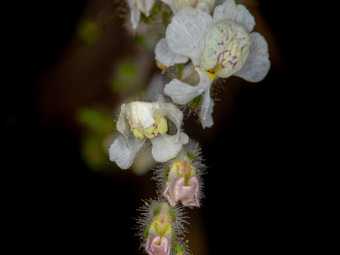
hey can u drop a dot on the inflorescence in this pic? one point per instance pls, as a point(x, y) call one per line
point(205, 41)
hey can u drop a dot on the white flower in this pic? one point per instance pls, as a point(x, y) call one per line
point(222, 46)
point(176, 5)
point(138, 6)
point(142, 121)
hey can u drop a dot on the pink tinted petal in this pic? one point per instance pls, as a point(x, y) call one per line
point(176, 190)
point(190, 194)
point(173, 190)
point(158, 245)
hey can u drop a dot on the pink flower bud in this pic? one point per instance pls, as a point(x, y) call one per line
point(176, 190)
point(157, 245)
point(182, 184)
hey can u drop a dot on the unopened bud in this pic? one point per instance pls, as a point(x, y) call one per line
point(182, 184)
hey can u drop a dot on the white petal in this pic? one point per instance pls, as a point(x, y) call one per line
point(226, 48)
point(171, 112)
point(186, 32)
point(203, 7)
point(257, 64)
point(124, 153)
point(167, 147)
point(229, 10)
point(166, 56)
point(134, 13)
point(134, 17)
point(183, 93)
point(141, 113)
point(123, 125)
point(207, 110)
point(145, 6)
point(210, 4)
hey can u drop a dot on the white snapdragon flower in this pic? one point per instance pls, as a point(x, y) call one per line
point(138, 6)
point(219, 46)
point(142, 121)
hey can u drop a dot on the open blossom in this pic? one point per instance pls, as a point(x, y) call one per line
point(147, 121)
point(219, 46)
point(138, 6)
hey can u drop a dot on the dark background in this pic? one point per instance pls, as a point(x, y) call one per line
point(56, 203)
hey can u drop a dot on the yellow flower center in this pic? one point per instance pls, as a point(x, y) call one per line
point(159, 127)
point(184, 169)
point(161, 225)
point(211, 74)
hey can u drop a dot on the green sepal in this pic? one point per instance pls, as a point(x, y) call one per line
point(193, 104)
point(166, 17)
point(172, 214)
point(146, 231)
point(166, 173)
point(191, 156)
point(178, 248)
point(157, 210)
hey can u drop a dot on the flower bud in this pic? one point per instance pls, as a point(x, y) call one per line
point(180, 178)
point(160, 228)
point(158, 245)
point(182, 184)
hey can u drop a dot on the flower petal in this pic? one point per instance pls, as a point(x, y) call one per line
point(186, 32)
point(182, 93)
point(207, 110)
point(257, 64)
point(123, 125)
point(171, 112)
point(176, 190)
point(167, 147)
point(168, 194)
point(166, 56)
point(158, 245)
point(190, 194)
point(226, 48)
point(124, 153)
point(229, 10)
point(135, 17)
